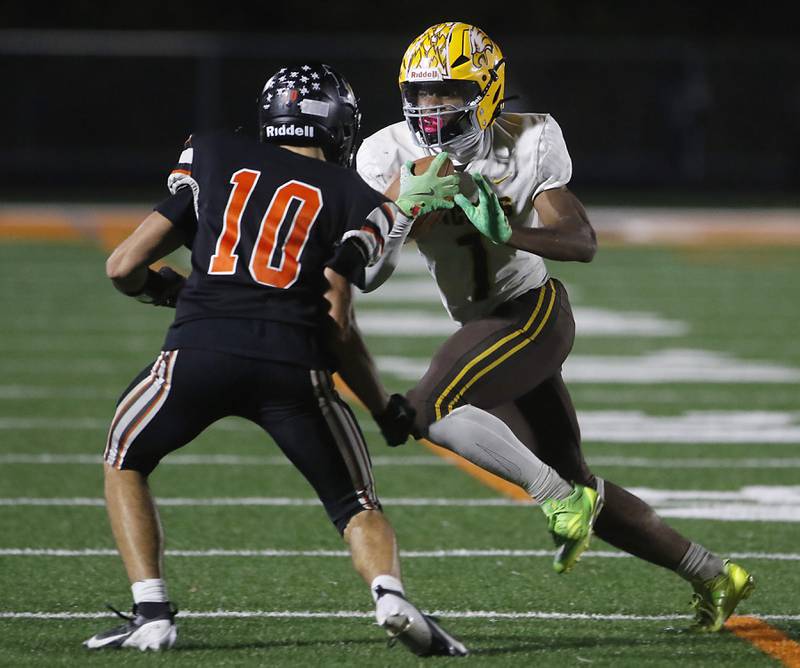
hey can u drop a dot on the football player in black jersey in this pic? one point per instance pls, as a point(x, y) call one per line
point(279, 229)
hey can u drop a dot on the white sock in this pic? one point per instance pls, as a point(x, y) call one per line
point(153, 590)
point(386, 582)
point(390, 605)
point(486, 441)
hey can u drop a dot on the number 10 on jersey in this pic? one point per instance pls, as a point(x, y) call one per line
point(278, 270)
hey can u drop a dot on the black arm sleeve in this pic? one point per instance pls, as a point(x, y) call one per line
point(349, 260)
point(179, 210)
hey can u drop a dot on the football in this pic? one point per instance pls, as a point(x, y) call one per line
point(425, 221)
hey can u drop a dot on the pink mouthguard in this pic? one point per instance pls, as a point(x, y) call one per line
point(431, 124)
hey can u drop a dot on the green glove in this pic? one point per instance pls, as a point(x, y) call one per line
point(425, 192)
point(488, 215)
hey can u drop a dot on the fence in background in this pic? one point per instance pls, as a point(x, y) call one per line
point(105, 112)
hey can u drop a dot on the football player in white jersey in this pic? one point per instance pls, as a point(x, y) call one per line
point(487, 257)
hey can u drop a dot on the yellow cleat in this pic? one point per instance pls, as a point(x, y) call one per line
point(715, 599)
point(570, 522)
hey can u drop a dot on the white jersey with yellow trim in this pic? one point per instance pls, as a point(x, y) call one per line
point(526, 156)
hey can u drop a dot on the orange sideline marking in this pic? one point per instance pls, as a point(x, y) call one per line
point(108, 226)
point(488, 479)
point(682, 228)
point(36, 226)
point(39, 232)
point(768, 639)
point(111, 236)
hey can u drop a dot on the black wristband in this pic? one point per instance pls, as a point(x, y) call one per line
point(154, 286)
point(349, 260)
point(160, 288)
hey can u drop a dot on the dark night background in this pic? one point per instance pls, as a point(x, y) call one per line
point(659, 102)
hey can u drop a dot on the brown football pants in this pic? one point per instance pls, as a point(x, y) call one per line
point(509, 364)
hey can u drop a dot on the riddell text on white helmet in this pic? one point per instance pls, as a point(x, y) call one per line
point(289, 131)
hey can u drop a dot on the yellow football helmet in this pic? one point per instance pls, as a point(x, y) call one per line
point(452, 81)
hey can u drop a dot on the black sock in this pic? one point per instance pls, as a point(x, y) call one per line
point(151, 610)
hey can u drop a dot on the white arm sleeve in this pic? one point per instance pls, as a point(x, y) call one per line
point(377, 274)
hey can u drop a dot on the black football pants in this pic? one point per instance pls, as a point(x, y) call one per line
point(172, 401)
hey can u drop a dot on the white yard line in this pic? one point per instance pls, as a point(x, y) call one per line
point(672, 365)
point(89, 423)
point(661, 394)
point(691, 427)
point(76, 342)
point(766, 495)
point(343, 554)
point(52, 458)
point(210, 460)
point(696, 463)
point(256, 501)
point(50, 392)
point(359, 614)
point(381, 320)
point(757, 503)
point(675, 365)
point(611, 426)
point(38, 365)
point(415, 322)
point(654, 368)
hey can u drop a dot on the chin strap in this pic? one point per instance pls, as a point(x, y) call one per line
point(476, 149)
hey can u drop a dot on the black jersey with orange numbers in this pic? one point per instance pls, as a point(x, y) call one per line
point(263, 223)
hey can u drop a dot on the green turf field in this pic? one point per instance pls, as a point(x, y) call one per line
point(686, 376)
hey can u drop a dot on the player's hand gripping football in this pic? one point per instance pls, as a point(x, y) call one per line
point(397, 420)
point(488, 216)
point(427, 191)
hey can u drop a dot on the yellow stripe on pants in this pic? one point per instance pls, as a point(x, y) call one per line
point(515, 334)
